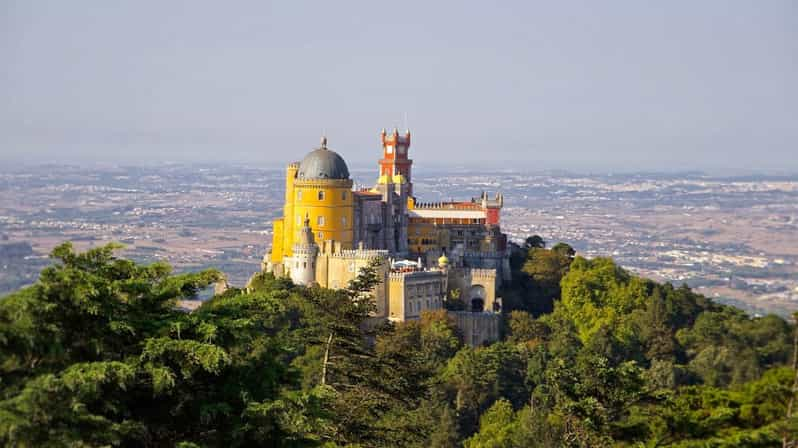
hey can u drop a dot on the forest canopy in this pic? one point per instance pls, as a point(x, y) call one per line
point(97, 353)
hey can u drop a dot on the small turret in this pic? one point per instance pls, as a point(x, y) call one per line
point(303, 264)
point(306, 237)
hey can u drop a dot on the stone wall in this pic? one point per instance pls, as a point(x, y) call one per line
point(477, 328)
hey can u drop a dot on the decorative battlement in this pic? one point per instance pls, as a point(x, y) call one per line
point(482, 273)
point(305, 250)
point(448, 205)
point(293, 166)
point(395, 138)
point(360, 254)
point(402, 276)
point(327, 183)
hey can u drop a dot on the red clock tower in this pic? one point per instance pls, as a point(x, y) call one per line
point(394, 160)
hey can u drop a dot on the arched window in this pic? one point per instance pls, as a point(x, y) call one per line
point(321, 195)
point(299, 195)
point(320, 220)
point(343, 195)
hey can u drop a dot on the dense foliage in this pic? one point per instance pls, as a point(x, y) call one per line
point(96, 353)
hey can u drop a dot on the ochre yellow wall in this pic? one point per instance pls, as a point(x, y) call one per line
point(277, 241)
point(335, 207)
point(396, 299)
point(288, 211)
point(302, 199)
point(422, 237)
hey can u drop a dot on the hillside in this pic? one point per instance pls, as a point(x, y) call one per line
point(96, 354)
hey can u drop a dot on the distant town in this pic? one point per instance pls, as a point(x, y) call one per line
point(733, 239)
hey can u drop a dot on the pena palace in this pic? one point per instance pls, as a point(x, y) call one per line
point(427, 252)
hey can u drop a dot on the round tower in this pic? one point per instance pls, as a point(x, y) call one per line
point(303, 262)
point(322, 191)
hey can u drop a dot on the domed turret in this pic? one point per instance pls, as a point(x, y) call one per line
point(303, 266)
point(323, 164)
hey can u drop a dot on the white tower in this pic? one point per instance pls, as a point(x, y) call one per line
point(303, 264)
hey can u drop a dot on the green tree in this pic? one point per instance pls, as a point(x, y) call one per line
point(534, 242)
point(524, 328)
point(96, 353)
point(446, 434)
point(598, 293)
point(496, 427)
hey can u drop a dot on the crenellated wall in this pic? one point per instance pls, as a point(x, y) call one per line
point(477, 288)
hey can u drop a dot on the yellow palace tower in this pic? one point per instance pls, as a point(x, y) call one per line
point(317, 189)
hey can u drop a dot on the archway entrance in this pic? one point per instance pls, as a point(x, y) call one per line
point(476, 296)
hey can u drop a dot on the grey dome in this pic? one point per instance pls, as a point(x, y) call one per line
point(323, 164)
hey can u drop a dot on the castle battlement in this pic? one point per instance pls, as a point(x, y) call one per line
point(448, 206)
point(303, 249)
point(326, 183)
point(401, 276)
point(360, 254)
point(482, 273)
point(395, 277)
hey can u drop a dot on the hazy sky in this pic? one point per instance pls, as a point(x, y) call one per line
point(593, 85)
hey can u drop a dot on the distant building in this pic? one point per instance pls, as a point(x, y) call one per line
point(429, 252)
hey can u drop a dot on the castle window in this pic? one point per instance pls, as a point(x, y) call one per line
point(299, 195)
point(299, 220)
point(320, 220)
point(321, 195)
point(320, 236)
point(304, 264)
point(343, 220)
point(343, 195)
